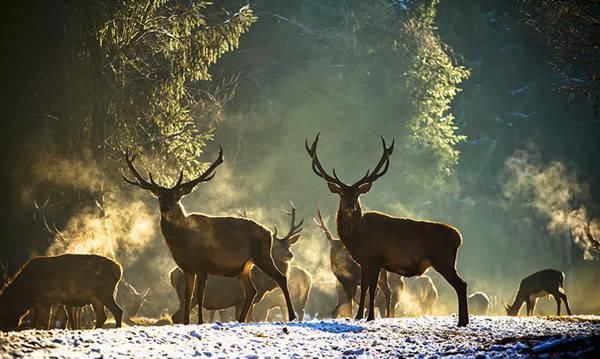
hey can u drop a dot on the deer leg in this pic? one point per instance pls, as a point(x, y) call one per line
point(190, 278)
point(349, 290)
point(110, 303)
point(268, 267)
point(99, 311)
point(77, 312)
point(373, 278)
point(533, 304)
point(387, 293)
point(460, 287)
point(72, 317)
point(563, 296)
point(528, 304)
point(249, 291)
point(364, 285)
point(557, 300)
point(211, 315)
point(200, 285)
point(41, 316)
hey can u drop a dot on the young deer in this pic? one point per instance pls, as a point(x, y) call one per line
point(223, 293)
point(347, 272)
point(400, 245)
point(539, 284)
point(69, 279)
point(202, 244)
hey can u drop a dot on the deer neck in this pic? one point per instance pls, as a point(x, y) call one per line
point(176, 216)
point(282, 265)
point(172, 223)
point(348, 223)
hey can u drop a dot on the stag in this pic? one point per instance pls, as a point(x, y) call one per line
point(401, 245)
point(202, 244)
point(69, 279)
point(222, 293)
point(347, 271)
point(539, 284)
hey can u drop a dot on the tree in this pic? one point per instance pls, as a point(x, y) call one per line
point(571, 28)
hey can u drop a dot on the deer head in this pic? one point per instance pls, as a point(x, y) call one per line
point(349, 194)
point(512, 310)
point(282, 246)
point(40, 215)
point(168, 198)
point(131, 300)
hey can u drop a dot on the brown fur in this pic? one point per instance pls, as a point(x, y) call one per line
point(203, 245)
point(221, 293)
point(347, 272)
point(539, 284)
point(69, 279)
point(400, 245)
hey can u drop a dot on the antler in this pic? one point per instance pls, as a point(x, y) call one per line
point(294, 228)
point(383, 162)
point(205, 176)
point(141, 182)
point(52, 230)
point(322, 225)
point(316, 164)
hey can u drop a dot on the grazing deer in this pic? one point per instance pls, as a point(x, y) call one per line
point(62, 316)
point(202, 244)
point(539, 284)
point(130, 300)
point(68, 279)
point(347, 272)
point(300, 284)
point(400, 245)
point(425, 293)
point(223, 293)
point(479, 303)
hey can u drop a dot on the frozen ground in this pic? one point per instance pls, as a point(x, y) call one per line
point(406, 337)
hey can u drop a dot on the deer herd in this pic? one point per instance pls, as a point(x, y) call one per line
point(234, 261)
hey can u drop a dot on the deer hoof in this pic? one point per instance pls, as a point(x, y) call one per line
point(463, 323)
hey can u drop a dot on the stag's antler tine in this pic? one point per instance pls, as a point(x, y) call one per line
point(206, 175)
point(316, 164)
point(141, 182)
point(384, 162)
point(180, 178)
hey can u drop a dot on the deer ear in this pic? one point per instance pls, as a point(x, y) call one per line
point(364, 188)
point(334, 188)
point(294, 239)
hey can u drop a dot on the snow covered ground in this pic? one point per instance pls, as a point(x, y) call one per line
point(406, 337)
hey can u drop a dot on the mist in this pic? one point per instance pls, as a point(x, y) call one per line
point(465, 151)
